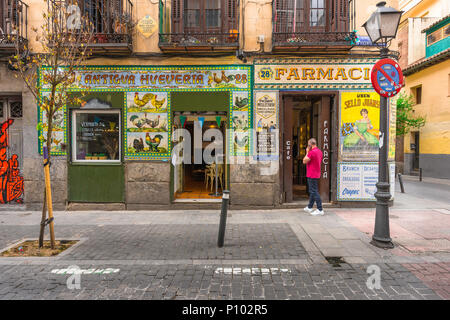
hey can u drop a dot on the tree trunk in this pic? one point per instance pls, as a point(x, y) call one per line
point(48, 196)
point(44, 216)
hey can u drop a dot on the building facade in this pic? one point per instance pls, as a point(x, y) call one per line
point(424, 43)
point(253, 79)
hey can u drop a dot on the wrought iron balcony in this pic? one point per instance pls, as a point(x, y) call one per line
point(297, 40)
point(199, 26)
point(199, 41)
point(13, 25)
point(300, 25)
point(112, 23)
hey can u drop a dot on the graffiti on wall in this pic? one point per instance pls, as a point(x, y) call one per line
point(11, 187)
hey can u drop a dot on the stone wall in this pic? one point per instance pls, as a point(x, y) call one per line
point(249, 187)
point(147, 184)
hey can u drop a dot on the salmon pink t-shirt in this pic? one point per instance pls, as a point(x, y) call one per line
point(313, 166)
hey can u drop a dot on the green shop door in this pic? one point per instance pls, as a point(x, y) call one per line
point(95, 169)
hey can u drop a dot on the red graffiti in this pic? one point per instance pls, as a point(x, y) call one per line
point(11, 183)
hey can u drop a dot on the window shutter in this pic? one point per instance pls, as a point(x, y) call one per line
point(231, 15)
point(176, 16)
point(343, 19)
point(117, 4)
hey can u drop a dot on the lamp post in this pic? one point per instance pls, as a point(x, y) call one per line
point(382, 27)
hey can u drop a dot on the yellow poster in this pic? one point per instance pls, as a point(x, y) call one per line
point(360, 124)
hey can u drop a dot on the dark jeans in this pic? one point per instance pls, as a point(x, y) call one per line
point(314, 196)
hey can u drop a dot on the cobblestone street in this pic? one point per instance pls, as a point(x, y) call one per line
point(279, 254)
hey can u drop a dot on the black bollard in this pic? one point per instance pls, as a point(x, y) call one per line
point(223, 217)
point(401, 183)
point(420, 174)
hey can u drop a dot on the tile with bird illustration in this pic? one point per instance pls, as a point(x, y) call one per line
point(147, 102)
point(147, 142)
point(146, 122)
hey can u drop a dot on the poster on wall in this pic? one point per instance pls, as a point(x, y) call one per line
point(357, 181)
point(147, 124)
point(359, 125)
point(59, 129)
point(266, 123)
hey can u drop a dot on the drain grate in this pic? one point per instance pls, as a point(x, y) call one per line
point(335, 261)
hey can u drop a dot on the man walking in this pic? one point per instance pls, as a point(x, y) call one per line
point(313, 161)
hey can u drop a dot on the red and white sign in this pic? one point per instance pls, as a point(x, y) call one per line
point(387, 78)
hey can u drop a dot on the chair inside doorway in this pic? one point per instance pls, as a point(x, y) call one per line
point(305, 126)
point(199, 179)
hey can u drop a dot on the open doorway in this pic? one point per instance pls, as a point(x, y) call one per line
point(304, 117)
point(304, 127)
point(200, 178)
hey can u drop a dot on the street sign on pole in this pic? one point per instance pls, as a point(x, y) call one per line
point(387, 78)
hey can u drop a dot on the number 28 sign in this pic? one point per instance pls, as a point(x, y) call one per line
point(387, 78)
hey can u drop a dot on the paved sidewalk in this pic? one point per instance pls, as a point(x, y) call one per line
point(270, 254)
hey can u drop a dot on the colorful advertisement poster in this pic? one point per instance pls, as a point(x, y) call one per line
point(359, 125)
point(357, 181)
point(266, 123)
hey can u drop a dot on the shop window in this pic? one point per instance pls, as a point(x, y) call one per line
point(96, 135)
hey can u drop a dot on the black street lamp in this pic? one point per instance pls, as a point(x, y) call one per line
point(382, 28)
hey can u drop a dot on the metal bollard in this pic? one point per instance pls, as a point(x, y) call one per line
point(401, 182)
point(420, 174)
point(223, 218)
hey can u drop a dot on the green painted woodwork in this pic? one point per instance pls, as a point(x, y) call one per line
point(96, 183)
point(440, 45)
point(200, 101)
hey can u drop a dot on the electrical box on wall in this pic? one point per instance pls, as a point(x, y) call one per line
point(261, 38)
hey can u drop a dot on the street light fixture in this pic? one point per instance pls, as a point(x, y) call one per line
point(383, 24)
point(382, 27)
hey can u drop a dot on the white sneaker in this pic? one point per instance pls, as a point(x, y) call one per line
point(309, 210)
point(317, 212)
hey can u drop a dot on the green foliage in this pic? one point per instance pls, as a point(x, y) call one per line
point(406, 119)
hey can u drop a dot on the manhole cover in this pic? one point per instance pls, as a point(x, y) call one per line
point(393, 217)
point(335, 261)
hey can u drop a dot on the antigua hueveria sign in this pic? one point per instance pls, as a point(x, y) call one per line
point(313, 73)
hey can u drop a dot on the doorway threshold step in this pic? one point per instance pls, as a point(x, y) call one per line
point(302, 204)
point(198, 200)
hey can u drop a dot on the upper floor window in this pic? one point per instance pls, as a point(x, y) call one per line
point(199, 24)
point(417, 94)
point(317, 13)
point(310, 15)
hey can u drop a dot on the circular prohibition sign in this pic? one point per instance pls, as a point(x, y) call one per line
point(387, 78)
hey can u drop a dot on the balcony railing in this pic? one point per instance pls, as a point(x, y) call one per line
point(13, 25)
point(199, 41)
point(111, 20)
point(297, 39)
